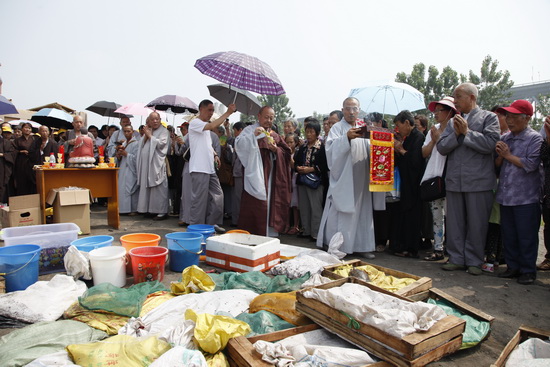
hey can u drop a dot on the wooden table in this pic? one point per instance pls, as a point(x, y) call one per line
point(102, 183)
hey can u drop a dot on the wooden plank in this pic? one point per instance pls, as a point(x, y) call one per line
point(438, 294)
point(524, 332)
point(282, 334)
point(421, 283)
point(408, 348)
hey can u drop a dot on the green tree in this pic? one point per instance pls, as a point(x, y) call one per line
point(434, 85)
point(493, 84)
point(247, 118)
point(542, 109)
point(280, 106)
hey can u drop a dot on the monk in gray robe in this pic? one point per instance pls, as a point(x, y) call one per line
point(151, 168)
point(126, 156)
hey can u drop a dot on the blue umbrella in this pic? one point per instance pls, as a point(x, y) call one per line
point(53, 117)
point(6, 107)
point(389, 98)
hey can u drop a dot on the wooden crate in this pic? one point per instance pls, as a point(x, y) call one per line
point(416, 349)
point(524, 332)
point(241, 353)
point(421, 283)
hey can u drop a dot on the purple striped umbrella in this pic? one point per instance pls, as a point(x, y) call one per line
point(241, 71)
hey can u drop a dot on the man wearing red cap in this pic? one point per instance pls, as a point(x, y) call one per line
point(519, 192)
point(469, 144)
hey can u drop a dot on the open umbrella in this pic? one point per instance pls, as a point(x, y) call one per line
point(175, 104)
point(241, 71)
point(246, 102)
point(6, 107)
point(106, 109)
point(136, 109)
point(53, 117)
point(34, 124)
point(389, 98)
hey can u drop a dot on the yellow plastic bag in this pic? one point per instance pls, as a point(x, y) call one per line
point(193, 279)
point(216, 360)
point(377, 277)
point(282, 305)
point(118, 350)
point(212, 332)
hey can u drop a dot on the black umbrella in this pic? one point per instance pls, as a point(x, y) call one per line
point(175, 104)
point(53, 117)
point(106, 108)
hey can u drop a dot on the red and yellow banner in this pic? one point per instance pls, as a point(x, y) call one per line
point(381, 161)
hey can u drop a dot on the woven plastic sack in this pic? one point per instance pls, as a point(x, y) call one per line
point(475, 330)
point(179, 356)
point(212, 332)
point(377, 277)
point(263, 322)
point(122, 301)
point(119, 350)
point(282, 305)
point(257, 281)
point(193, 279)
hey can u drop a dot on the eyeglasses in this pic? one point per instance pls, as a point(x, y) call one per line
point(351, 109)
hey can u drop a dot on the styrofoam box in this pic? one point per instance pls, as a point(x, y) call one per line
point(243, 252)
point(54, 239)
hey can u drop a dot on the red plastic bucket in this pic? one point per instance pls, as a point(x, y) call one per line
point(133, 240)
point(148, 263)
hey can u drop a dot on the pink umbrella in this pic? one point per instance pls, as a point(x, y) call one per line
point(137, 109)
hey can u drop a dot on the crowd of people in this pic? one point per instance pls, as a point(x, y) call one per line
point(313, 182)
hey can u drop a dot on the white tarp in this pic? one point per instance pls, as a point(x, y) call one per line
point(391, 314)
point(533, 352)
point(43, 300)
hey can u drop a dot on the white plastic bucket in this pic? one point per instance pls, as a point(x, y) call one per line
point(109, 265)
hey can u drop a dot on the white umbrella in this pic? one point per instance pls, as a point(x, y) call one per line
point(388, 98)
point(34, 124)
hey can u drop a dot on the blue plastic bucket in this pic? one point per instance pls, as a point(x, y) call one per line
point(206, 230)
point(19, 266)
point(185, 249)
point(90, 243)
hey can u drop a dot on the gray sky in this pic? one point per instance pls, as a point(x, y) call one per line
point(79, 52)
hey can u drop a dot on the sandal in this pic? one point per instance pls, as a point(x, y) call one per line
point(293, 230)
point(435, 256)
point(544, 265)
point(380, 248)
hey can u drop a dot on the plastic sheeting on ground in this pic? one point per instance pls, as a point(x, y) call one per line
point(25, 345)
point(533, 352)
point(377, 277)
point(212, 332)
point(263, 322)
point(170, 314)
point(393, 315)
point(109, 321)
point(258, 282)
point(193, 279)
point(315, 280)
point(180, 357)
point(280, 304)
point(475, 330)
point(119, 350)
point(313, 348)
point(43, 300)
point(122, 301)
point(312, 262)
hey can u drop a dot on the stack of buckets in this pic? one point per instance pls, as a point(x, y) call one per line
point(206, 230)
point(185, 249)
point(19, 266)
point(147, 258)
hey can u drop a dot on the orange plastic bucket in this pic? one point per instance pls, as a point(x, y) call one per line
point(148, 263)
point(238, 231)
point(133, 240)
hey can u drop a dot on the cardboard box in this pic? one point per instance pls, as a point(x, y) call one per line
point(413, 350)
point(243, 252)
point(22, 211)
point(71, 206)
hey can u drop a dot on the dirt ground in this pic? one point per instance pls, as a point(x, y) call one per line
point(511, 304)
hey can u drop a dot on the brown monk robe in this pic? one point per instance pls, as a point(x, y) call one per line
point(253, 214)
